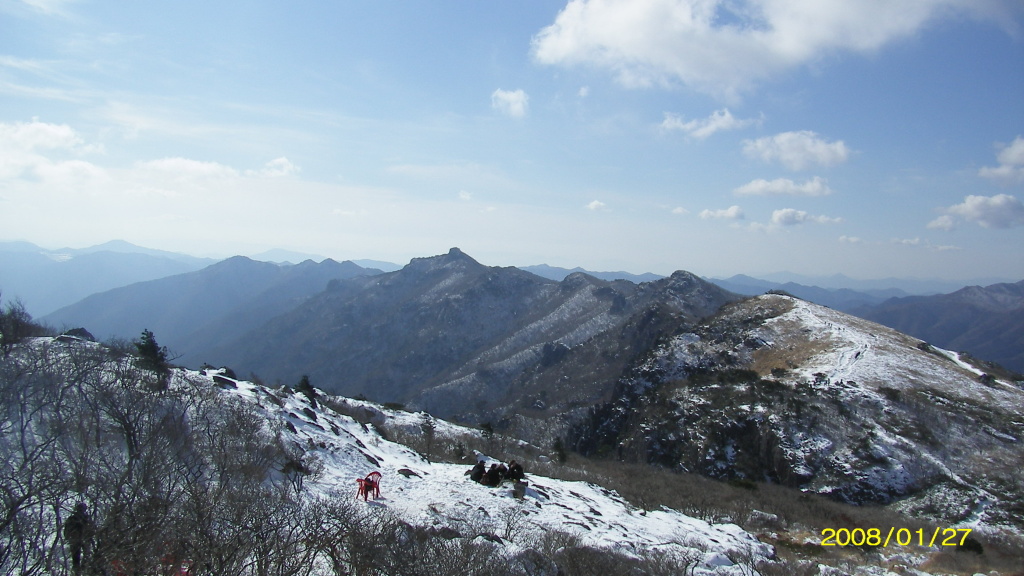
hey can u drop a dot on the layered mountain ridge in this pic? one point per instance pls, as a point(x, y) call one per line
point(989, 321)
point(192, 312)
point(776, 388)
point(47, 280)
point(465, 340)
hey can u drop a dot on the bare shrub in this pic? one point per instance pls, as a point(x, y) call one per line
point(679, 560)
point(587, 561)
point(787, 568)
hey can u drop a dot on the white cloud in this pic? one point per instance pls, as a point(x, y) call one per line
point(783, 186)
point(49, 7)
point(187, 169)
point(718, 120)
point(793, 217)
point(460, 174)
point(730, 213)
point(511, 102)
point(349, 213)
point(999, 211)
point(944, 222)
point(70, 172)
point(584, 91)
point(797, 150)
point(726, 47)
point(37, 147)
point(465, 196)
point(596, 205)
point(679, 210)
point(1011, 164)
point(276, 168)
point(850, 240)
point(35, 135)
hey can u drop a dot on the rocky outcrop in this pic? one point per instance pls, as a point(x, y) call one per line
point(781, 390)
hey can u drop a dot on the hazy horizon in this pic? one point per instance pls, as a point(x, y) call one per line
point(778, 276)
point(870, 139)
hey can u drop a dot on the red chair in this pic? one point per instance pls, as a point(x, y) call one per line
point(368, 485)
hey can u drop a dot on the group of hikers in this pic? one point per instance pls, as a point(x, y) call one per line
point(497, 473)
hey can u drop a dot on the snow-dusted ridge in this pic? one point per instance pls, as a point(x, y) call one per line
point(439, 494)
point(842, 406)
point(862, 351)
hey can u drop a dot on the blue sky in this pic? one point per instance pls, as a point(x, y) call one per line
point(869, 138)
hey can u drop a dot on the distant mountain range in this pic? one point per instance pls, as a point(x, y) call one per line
point(192, 312)
point(45, 280)
point(915, 286)
point(843, 299)
point(559, 274)
point(446, 333)
point(986, 321)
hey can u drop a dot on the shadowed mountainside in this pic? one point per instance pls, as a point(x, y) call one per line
point(987, 322)
point(778, 388)
point(470, 341)
point(192, 312)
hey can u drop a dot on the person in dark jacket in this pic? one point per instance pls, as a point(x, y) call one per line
point(515, 471)
point(493, 476)
point(77, 532)
point(477, 474)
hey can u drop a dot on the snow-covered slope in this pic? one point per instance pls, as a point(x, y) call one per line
point(778, 388)
point(441, 495)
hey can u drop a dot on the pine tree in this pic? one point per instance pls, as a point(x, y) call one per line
point(152, 356)
point(428, 428)
point(560, 453)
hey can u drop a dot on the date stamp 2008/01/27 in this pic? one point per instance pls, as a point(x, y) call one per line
point(899, 536)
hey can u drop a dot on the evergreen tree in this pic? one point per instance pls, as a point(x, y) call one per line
point(306, 387)
point(560, 453)
point(428, 427)
point(152, 356)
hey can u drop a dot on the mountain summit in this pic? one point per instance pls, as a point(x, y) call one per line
point(475, 342)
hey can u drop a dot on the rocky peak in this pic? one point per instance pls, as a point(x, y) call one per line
point(577, 280)
point(455, 258)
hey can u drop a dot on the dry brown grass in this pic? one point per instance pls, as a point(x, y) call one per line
point(787, 354)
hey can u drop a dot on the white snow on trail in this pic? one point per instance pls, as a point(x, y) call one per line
point(856, 350)
point(439, 494)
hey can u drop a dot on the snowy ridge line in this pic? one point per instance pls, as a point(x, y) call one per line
point(870, 353)
point(429, 493)
point(857, 411)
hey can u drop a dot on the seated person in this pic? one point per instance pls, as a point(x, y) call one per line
point(515, 471)
point(492, 477)
point(478, 471)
